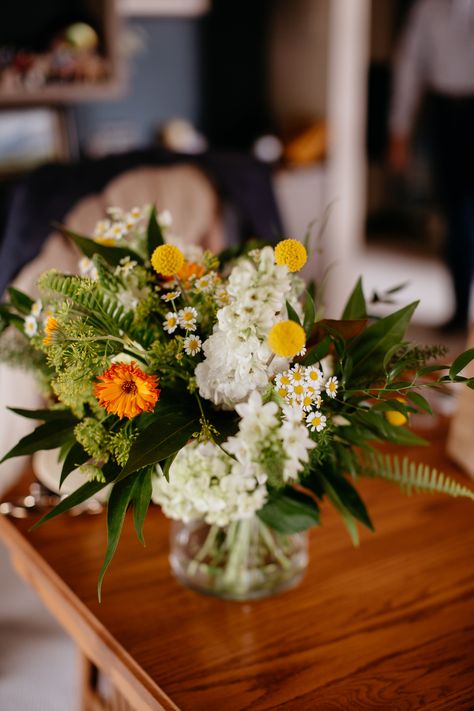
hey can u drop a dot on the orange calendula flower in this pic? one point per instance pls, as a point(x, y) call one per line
point(50, 327)
point(126, 390)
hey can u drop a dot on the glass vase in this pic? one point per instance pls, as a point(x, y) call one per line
point(243, 561)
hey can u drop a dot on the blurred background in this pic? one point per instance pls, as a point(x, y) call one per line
point(351, 119)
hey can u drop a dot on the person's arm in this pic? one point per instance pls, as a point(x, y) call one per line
point(409, 77)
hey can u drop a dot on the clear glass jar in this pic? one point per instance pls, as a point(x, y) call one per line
point(243, 561)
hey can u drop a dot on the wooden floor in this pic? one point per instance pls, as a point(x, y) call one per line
point(387, 626)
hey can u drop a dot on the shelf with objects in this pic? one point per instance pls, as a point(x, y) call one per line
point(57, 54)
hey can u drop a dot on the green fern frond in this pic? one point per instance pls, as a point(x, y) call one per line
point(106, 276)
point(411, 475)
point(102, 308)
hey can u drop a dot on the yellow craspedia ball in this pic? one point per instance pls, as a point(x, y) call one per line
point(167, 259)
point(286, 338)
point(396, 418)
point(291, 253)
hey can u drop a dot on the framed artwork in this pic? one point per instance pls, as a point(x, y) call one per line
point(29, 137)
point(152, 8)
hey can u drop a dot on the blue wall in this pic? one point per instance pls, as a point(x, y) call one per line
point(164, 81)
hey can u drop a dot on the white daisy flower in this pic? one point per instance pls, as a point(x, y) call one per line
point(314, 376)
point(282, 380)
point(187, 318)
point(165, 219)
point(297, 374)
point(205, 283)
point(101, 228)
point(49, 311)
point(331, 386)
point(297, 390)
point(316, 421)
point(307, 401)
point(192, 345)
point(115, 213)
point(117, 230)
point(301, 353)
point(171, 295)
point(36, 308)
point(170, 324)
point(30, 326)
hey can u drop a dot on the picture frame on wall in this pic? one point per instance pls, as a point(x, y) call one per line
point(30, 137)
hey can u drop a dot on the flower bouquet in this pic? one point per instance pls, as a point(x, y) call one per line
point(212, 385)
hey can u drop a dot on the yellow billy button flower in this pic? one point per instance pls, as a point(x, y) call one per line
point(396, 418)
point(292, 253)
point(167, 259)
point(286, 339)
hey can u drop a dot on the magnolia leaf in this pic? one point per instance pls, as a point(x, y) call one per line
point(173, 426)
point(119, 499)
point(317, 352)
point(356, 306)
point(48, 436)
point(76, 456)
point(90, 247)
point(141, 500)
point(20, 300)
point(346, 329)
point(368, 350)
point(347, 495)
point(84, 492)
point(154, 233)
point(292, 315)
point(45, 415)
point(289, 511)
point(309, 311)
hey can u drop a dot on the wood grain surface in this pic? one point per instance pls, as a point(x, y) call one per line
point(389, 625)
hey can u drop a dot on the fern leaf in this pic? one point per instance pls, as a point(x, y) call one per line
point(411, 476)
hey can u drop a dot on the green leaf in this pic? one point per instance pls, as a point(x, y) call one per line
point(76, 456)
point(175, 423)
point(47, 436)
point(154, 233)
point(420, 401)
point(120, 497)
point(309, 311)
point(461, 362)
point(45, 415)
point(292, 315)
point(89, 248)
point(166, 468)
point(356, 307)
point(20, 301)
point(289, 511)
point(347, 495)
point(141, 500)
point(317, 352)
point(368, 350)
point(84, 492)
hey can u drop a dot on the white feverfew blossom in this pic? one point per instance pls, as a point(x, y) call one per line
point(36, 308)
point(30, 326)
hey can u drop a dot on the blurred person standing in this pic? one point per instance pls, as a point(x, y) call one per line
point(436, 57)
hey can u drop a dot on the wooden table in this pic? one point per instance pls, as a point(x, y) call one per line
point(387, 626)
